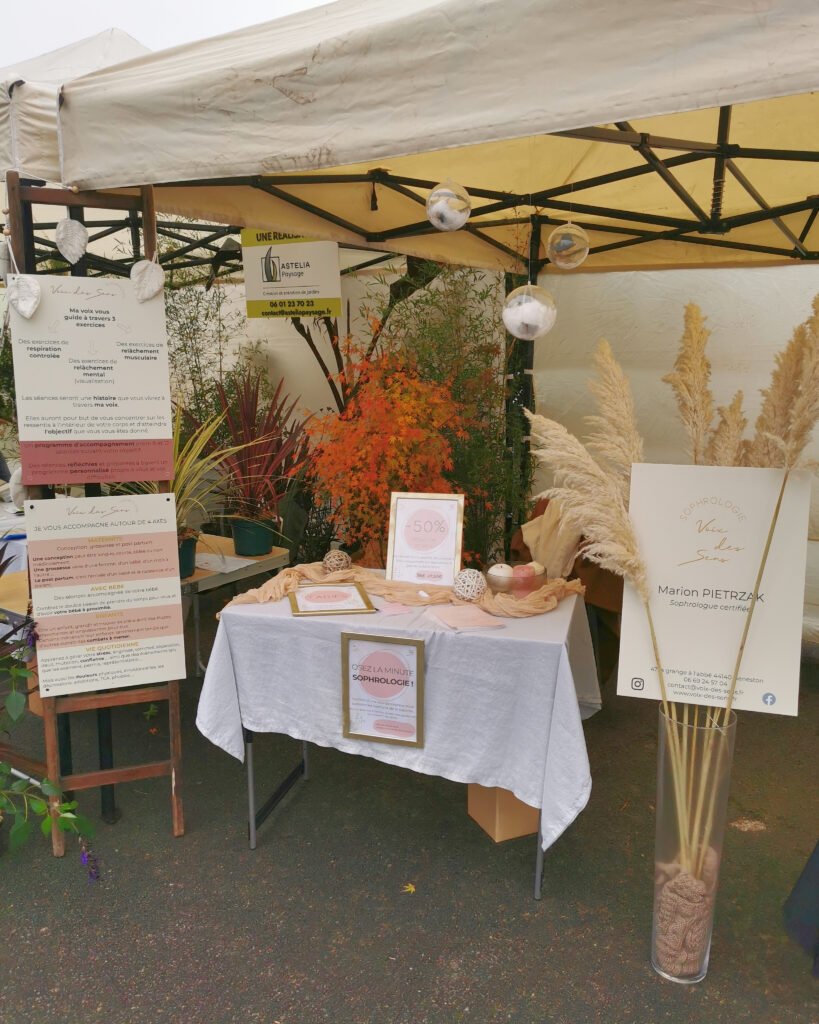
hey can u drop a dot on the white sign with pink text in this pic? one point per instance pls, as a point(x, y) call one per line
point(383, 688)
point(702, 532)
point(426, 532)
point(105, 592)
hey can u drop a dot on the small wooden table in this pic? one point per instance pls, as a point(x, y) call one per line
point(210, 579)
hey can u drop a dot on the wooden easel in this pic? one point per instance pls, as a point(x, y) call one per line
point(21, 196)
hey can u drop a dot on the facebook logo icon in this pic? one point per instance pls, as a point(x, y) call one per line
point(769, 699)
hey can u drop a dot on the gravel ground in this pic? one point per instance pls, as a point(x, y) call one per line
point(314, 925)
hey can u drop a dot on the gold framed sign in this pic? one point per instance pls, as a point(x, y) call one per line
point(382, 683)
point(330, 599)
point(426, 534)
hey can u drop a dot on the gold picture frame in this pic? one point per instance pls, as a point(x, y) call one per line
point(358, 709)
point(417, 565)
point(300, 600)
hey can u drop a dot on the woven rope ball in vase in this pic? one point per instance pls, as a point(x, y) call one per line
point(469, 585)
point(336, 560)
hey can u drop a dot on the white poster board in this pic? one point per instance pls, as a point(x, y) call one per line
point(92, 382)
point(383, 688)
point(701, 531)
point(290, 275)
point(425, 537)
point(105, 592)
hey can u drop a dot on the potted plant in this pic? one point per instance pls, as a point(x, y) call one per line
point(268, 448)
point(199, 475)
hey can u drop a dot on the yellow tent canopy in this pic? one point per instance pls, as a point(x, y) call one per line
point(676, 134)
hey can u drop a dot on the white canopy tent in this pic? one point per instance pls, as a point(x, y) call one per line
point(335, 122)
point(28, 99)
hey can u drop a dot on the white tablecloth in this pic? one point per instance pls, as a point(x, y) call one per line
point(502, 707)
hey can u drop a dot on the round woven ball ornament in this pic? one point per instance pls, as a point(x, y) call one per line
point(469, 585)
point(336, 560)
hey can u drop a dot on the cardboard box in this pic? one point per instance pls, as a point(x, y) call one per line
point(500, 814)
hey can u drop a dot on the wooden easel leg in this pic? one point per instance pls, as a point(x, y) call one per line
point(175, 728)
point(52, 749)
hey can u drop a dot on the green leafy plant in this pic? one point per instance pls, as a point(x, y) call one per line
point(24, 800)
point(450, 330)
point(199, 471)
point(268, 446)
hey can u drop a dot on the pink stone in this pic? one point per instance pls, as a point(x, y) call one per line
point(523, 571)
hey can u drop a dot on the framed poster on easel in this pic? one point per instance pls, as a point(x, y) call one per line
point(426, 536)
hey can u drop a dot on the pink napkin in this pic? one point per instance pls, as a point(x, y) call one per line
point(462, 616)
point(395, 608)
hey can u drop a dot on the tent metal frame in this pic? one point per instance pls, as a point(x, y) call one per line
point(202, 244)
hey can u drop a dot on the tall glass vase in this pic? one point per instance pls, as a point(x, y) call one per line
point(693, 779)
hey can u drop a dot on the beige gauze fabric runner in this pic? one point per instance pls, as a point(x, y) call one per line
point(545, 599)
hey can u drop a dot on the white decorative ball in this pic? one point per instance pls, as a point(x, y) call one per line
point(336, 560)
point(469, 585)
point(529, 312)
point(568, 246)
point(448, 206)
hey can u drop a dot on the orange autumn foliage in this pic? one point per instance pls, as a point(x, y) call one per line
point(390, 437)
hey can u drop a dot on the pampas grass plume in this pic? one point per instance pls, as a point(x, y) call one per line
point(691, 381)
point(615, 438)
point(591, 501)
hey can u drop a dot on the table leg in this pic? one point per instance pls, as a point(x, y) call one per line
point(539, 864)
point(251, 790)
point(199, 668)
point(256, 817)
point(305, 760)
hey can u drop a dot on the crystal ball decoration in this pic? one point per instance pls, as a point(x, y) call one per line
point(448, 206)
point(568, 246)
point(529, 312)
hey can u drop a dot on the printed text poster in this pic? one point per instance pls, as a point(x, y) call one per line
point(701, 532)
point(105, 591)
point(289, 275)
point(93, 391)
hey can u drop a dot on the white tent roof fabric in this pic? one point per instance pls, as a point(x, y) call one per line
point(467, 89)
point(28, 99)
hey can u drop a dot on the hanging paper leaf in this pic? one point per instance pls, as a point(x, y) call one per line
point(72, 239)
point(148, 279)
point(24, 294)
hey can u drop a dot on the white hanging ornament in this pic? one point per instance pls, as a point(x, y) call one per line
point(448, 206)
point(529, 312)
point(148, 279)
point(568, 246)
point(5, 262)
point(23, 292)
point(72, 239)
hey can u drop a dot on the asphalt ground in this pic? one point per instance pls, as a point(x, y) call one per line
point(315, 926)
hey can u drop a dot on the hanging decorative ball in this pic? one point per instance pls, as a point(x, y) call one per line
point(568, 246)
point(336, 561)
point(529, 312)
point(448, 206)
point(469, 585)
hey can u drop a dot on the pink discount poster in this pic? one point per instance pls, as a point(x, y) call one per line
point(383, 688)
point(92, 382)
point(105, 590)
point(425, 538)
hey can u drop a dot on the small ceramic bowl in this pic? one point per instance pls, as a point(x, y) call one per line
point(519, 583)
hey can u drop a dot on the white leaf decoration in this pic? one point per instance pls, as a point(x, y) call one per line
point(24, 292)
point(5, 262)
point(148, 279)
point(72, 239)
